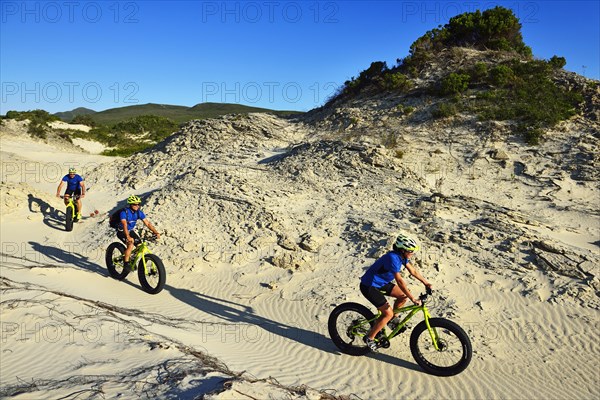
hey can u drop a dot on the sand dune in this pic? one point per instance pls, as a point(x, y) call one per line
point(266, 227)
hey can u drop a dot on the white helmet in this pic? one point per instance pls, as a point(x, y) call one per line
point(404, 242)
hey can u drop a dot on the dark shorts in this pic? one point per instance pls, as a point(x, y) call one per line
point(376, 296)
point(76, 192)
point(133, 234)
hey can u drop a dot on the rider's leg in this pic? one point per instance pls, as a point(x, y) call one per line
point(377, 298)
point(400, 297)
point(386, 315)
point(79, 207)
point(128, 251)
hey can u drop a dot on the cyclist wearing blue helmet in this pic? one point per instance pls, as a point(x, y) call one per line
point(379, 281)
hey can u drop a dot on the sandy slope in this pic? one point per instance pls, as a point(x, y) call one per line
point(67, 327)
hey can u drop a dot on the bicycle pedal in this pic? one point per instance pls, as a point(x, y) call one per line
point(383, 342)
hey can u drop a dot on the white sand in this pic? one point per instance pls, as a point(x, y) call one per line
point(65, 125)
point(68, 327)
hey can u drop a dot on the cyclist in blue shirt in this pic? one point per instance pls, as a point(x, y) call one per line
point(129, 217)
point(378, 281)
point(75, 187)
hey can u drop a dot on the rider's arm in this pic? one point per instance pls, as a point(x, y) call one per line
point(59, 188)
point(125, 230)
point(82, 185)
point(150, 226)
point(402, 285)
point(415, 272)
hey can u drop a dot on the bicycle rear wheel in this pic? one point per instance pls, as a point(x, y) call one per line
point(154, 276)
point(69, 212)
point(454, 353)
point(348, 324)
point(114, 261)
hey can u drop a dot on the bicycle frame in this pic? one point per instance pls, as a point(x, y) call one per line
point(140, 251)
point(71, 203)
point(412, 310)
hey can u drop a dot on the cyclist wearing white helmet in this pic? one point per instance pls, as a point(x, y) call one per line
point(129, 217)
point(75, 187)
point(379, 280)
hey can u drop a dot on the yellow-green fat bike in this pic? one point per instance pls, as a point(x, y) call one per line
point(151, 271)
point(439, 346)
point(71, 211)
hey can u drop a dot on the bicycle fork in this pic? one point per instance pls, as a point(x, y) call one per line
point(432, 331)
point(140, 256)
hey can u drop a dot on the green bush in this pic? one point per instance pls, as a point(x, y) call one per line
point(13, 114)
point(37, 130)
point(126, 150)
point(479, 72)
point(38, 121)
point(502, 75)
point(35, 116)
point(153, 129)
point(497, 29)
point(455, 83)
point(444, 110)
point(533, 136)
point(396, 81)
point(157, 128)
point(84, 120)
point(373, 74)
point(557, 62)
point(526, 93)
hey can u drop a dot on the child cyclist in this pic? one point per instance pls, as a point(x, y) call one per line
point(379, 281)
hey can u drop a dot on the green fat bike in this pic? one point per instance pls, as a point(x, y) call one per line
point(150, 268)
point(439, 346)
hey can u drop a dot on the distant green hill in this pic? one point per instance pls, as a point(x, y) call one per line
point(69, 115)
point(178, 114)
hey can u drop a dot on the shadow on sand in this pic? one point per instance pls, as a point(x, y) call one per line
point(66, 256)
point(243, 314)
point(237, 313)
point(53, 217)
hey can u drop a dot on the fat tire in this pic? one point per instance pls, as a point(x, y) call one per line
point(69, 219)
point(358, 349)
point(160, 270)
point(441, 324)
point(110, 250)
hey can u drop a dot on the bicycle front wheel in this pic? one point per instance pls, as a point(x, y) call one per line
point(69, 213)
point(114, 261)
point(454, 350)
point(153, 277)
point(348, 324)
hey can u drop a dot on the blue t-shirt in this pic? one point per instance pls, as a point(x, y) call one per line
point(383, 270)
point(72, 183)
point(131, 217)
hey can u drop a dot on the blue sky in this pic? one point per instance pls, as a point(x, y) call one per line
point(285, 55)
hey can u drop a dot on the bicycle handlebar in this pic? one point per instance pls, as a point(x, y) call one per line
point(145, 236)
point(424, 296)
